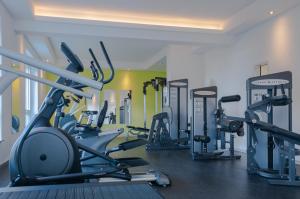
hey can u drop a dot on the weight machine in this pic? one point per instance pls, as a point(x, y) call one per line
point(178, 102)
point(210, 124)
point(158, 83)
point(270, 141)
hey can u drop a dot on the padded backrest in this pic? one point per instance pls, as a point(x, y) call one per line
point(102, 114)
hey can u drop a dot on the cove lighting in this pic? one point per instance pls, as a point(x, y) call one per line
point(119, 17)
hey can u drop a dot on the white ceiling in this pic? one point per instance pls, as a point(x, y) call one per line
point(137, 46)
point(129, 51)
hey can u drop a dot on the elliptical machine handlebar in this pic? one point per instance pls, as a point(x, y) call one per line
point(95, 70)
point(112, 74)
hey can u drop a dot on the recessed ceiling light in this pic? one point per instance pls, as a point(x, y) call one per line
point(271, 12)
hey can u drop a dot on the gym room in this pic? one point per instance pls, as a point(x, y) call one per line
point(140, 99)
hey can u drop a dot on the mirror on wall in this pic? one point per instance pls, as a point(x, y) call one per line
point(110, 96)
point(93, 105)
point(125, 107)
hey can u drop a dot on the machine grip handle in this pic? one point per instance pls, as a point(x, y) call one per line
point(232, 98)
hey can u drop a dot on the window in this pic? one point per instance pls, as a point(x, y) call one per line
point(0, 77)
point(31, 93)
point(0, 105)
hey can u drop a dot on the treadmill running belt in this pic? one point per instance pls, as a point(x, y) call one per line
point(80, 191)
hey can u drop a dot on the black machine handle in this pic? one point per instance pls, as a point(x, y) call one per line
point(154, 85)
point(232, 98)
point(146, 84)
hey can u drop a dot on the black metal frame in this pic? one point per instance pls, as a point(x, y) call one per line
point(178, 84)
point(279, 139)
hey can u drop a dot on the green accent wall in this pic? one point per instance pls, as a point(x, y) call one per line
point(130, 80)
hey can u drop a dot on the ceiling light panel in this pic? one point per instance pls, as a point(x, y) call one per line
point(121, 17)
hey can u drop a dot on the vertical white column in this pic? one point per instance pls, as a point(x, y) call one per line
point(145, 112)
point(22, 112)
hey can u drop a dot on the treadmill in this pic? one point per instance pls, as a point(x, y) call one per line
point(123, 190)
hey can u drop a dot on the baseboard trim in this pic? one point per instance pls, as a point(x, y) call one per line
point(5, 164)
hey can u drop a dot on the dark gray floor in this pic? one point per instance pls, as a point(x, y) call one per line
point(205, 180)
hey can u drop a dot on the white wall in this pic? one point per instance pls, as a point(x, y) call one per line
point(9, 40)
point(182, 63)
point(276, 41)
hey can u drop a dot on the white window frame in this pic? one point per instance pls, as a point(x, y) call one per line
point(31, 93)
point(1, 116)
point(1, 121)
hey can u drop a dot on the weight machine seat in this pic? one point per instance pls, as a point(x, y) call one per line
point(120, 190)
point(202, 138)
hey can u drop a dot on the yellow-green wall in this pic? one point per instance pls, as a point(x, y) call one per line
point(131, 80)
point(16, 100)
